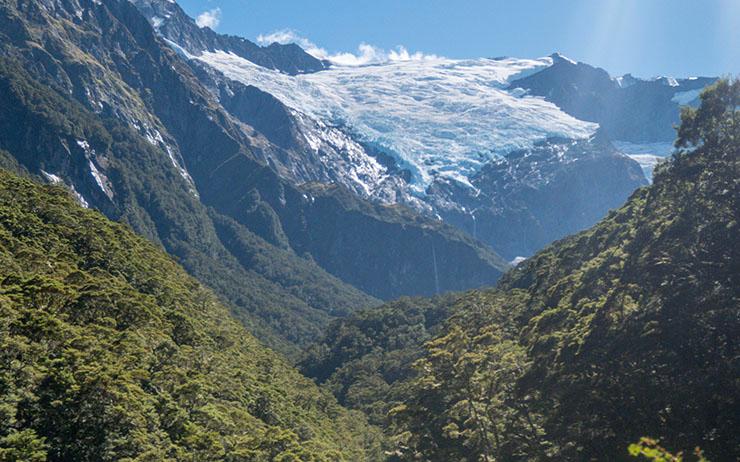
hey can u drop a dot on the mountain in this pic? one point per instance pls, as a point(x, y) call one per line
point(626, 108)
point(80, 112)
point(296, 193)
point(621, 331)
point(94, 99)
point(420, 133)
point(639, 115)
point(429, 132)
point(110, 351)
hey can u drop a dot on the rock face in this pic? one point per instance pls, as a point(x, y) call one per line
point(94, 99)
point(626, 108)
point(637, 115)
point(340, 230)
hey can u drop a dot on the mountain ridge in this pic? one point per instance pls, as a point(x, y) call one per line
point(172, 22)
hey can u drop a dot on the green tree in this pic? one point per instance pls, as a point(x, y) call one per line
point(109, 351)
point(465, 404)
point(650, 449)
point(716, 123)
point(22, 446)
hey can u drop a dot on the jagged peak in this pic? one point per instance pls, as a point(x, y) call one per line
point(184, 34)
point(558, 57)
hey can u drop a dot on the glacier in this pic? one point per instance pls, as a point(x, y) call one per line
point(437, 117)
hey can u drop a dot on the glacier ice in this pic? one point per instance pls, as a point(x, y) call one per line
point(439, 118)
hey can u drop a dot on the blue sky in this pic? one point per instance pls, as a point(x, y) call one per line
point(645, 37)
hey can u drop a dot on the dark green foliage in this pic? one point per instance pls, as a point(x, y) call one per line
point(301, 277)
point(463, 403)
point(628, 328)
point(109, 351)
point(364, 359)
point(716, 123)
point(24, 446)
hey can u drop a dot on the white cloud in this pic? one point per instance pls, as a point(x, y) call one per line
point(210, 18)
point(365, 54)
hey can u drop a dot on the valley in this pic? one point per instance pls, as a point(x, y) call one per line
point(218, 250)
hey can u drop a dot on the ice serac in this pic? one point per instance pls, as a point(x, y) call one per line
point(556, 188)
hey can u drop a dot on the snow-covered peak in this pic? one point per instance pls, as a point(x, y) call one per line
point(437, 117)
point(558, 57)
point(669, 81)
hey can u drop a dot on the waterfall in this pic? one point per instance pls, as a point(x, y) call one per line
point(436, 274)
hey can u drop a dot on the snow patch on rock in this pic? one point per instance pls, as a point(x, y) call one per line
point(648, 155)
point(99, 178)
point(51, 178)
point(517, 261)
